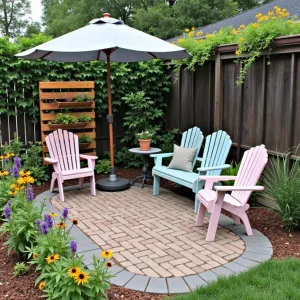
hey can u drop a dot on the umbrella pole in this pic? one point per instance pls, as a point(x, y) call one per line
point(112, 183)
point(110, 120)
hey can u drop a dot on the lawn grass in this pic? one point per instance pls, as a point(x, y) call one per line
point(274, 280)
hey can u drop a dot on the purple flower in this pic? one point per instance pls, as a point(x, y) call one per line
point(17, 162)
point(29, 193)
point(65, 213)
point(44, 228)
point(7, 212)
point(73, 247)
point(16, 171)
point(8, 203)
point(6, 160)
point(48, 219)
point(9, 170)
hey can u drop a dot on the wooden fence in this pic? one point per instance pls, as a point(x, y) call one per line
point(264, 110)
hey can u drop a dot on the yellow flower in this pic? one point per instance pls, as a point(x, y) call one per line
point(290, 22)
point(237, 52)
point(242, 26)
point(234, 31)
point(266, 18)
point(191, 33)
point(24, 173)
point(13, 193)
point(107, 254)
point(61, 225)
point(274, 18)
point(6, 157)
point(271, 12)
point(199, 33)
point(35, 255)
point(52, 258)
point(180, 40)
point(3, 173)
point(201, 41)
point(1, 157)
point(108, 264)
point(258, 16)
point(193, 28)
point(25, 180)
point(187, 30)
point(21, 188)
point(13, 186)
point(53, 215)
point(42, 285)
point(81, 278)
point(242, 39)
point(74, 271)
point(255, 25)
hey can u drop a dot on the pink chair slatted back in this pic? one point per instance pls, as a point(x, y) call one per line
point(63, 146)
point(252, 165)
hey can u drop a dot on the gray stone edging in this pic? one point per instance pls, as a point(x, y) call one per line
point(258, 249)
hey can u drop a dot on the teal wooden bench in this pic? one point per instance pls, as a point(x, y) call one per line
point(216, 149)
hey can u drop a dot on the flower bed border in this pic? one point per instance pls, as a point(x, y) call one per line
point(258, 249)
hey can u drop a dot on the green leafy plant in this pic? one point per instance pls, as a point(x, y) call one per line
point(282, 183)
point(102, 166)
point(83, 118)
point(144, 135)
point(20, 269)
point(85, 139)
point(142, 113)
point(167, 140)
point(252, 40)
point(231, 171)
point(82, 98)
point(65, 119)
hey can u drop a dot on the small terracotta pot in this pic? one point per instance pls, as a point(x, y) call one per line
point(145, 145)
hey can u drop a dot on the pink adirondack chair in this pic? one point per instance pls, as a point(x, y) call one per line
point(252, 165)
point(63, 148)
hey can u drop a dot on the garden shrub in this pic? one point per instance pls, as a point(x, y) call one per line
point(20, 269)
point(231, 171)
point(252, 40)
point(282, 183)
point(102, 166)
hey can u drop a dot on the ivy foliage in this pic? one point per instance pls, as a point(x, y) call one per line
point(252, 40)
point(19, 78)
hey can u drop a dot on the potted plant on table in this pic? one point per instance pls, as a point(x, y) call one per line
point(144, 138)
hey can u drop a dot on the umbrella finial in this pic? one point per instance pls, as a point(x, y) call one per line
point(106, 15)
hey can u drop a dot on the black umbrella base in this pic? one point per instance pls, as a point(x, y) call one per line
point(120, 184)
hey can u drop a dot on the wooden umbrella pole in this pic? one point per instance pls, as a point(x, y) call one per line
point(110, 115)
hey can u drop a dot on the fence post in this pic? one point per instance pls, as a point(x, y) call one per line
point(218, 103)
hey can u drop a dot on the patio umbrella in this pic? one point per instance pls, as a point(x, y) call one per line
point(106, 39)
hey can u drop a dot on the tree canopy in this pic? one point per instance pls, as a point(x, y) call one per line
point(161, 18)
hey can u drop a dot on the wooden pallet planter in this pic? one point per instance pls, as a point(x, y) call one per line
point(55, 98)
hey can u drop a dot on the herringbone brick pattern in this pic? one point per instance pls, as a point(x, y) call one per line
point(149, 235)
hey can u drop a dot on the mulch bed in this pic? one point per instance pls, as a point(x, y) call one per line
point(285, 245)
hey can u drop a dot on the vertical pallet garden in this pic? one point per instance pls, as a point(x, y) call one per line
point(61, 99)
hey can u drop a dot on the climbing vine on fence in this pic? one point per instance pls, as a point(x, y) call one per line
point(252, 40)
point(19, 78)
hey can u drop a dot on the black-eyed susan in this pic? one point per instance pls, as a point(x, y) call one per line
point(25, 180)
point(42, 285)
point(74, 221)
point(3, 173)
point(61, 225)
point(53, 215)
point(108, 264)
point(24, 173)
point(35, 255)
point(13, 186)
point(52, 258)
point(13, 192)
point(74, 271)
point(81, 278)
point(10, 154)
point(107, 254)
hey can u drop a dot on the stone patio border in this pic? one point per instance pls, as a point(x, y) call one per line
point(258, 249)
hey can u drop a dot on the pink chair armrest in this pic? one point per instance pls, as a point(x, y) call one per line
point(238, 188)
point(50, 160)
point(88, 156)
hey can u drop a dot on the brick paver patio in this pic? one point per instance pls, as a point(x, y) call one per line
point(153, 236)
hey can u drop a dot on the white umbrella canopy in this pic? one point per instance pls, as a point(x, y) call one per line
point(91, 42)
point(106, 39)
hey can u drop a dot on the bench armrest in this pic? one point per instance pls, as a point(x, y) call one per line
point(206, 169)
point(158, 158)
